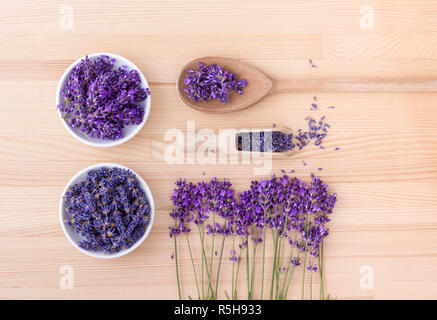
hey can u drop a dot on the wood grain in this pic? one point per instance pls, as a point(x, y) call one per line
point(385, 172)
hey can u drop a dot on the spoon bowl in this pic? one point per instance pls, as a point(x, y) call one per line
point(258, 85)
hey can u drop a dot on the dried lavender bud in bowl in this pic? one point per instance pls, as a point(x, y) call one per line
point(106, 210)
point(103, 99)
point(210, 82)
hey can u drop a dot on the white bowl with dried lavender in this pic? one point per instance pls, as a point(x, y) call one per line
point(103, 99)
point(106, 210)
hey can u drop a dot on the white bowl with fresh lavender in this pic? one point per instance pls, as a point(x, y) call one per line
point(103, 99)
point(106, 210)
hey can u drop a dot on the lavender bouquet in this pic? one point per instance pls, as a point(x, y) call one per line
point(293, 212)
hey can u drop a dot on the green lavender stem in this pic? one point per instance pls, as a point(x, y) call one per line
point(247, 267)
point(275, 244)
point(218, 268)
point(305, 259)
point(202, 238)
point(203, 265)
point(192, 263)
point(264, 255)
point(227, 295)
point(253, 271)
point(311, 285)
point(286, 273)
point(289, 278)
point(177, 267)
point(233, 264)
point(278, 285)
point(212, 254)
point(322, 289)
point(278, 266)
point(255, 243)
point(236, 276)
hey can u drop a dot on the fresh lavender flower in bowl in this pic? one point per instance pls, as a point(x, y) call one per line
point(106, 210)
point(103, 99)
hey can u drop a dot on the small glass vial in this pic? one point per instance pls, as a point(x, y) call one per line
point(278, 140)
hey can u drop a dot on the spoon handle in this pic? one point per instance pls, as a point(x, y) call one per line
point(355, 85)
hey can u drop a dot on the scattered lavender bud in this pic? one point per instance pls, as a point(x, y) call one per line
point(337, 148)
point(312, 64)
point(210, 82)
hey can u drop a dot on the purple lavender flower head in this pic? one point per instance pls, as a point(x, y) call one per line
point(234, 258)
point(295, 261)
point(312, 267)
point(219, 199)
point(183, 200)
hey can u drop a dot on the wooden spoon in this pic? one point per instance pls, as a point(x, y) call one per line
point(259, 85)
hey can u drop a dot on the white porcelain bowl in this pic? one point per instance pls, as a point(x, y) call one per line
point(129, 131)
point(76, 238)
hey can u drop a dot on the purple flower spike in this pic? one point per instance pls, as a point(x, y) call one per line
point(182, 198)
point(312, 267)
point(295, 261)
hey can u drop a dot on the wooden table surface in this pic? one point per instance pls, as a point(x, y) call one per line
point(385, 173)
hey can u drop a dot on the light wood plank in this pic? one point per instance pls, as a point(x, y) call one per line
point(385, 172)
